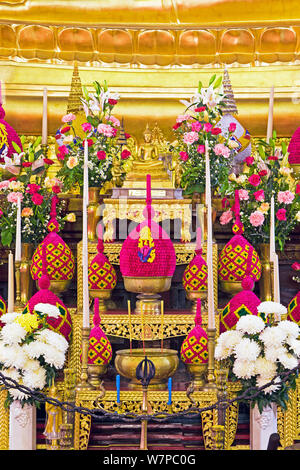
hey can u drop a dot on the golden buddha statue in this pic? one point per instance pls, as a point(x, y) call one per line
point(146, 162)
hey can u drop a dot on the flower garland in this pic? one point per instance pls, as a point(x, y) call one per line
point(265, 174)
point(196, 126)
point(101, 132)
point(257, 351)
point(30, 352)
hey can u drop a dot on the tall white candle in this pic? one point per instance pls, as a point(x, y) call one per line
point(209, 250)
point(18, 232)
point(270, 115)
point(273, 254)
point(10, 284)
point(85, 291)
point(45, 119)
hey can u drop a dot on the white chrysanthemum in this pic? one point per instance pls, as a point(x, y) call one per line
point(35, 378)
point(288, 360)
point(34, 349)
point(53, 357)
point(261, 381)
point(265, 368)
point(17, 394)
point(10, 317)
point(272, 336)
point(13, 333)
point(54, 339)
point(272, 307)
point(294, 345)
point(12, 355)
point(243, 369)
point(47, 309)
point(226, 343)
point(289, 327)
point(12, 373)
point(30, 364)
point(273, 352)
point(247, 350)
point(221, 353)
point(251, 324)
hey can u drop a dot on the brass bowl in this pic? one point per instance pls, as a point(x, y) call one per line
point(231, 287)
point(57, 287)
point(147, 285)
point(103, 294)
point(165, 361)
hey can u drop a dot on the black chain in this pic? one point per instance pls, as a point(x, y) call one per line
point(248, 395)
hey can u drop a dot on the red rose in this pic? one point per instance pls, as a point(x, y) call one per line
point(56, 189)
point(37, 199)
point(90, 142)
point(178, 124)
point(273, 157)
point(298, 188)
point(33, 188)
point(112, 102)
point(262, 172)
point(216, 131)
point(200, 109)
point(65, 129)
point(48, 161)
point(101, 155)
point(232, 127)
point(14, 178)
point(60, 156)
point(125, 154)
point(249, 161)
point(281, 214)
point(296, 266)
point(127, 136)
point(26, 164)
point(184, 156)
point(254, 180)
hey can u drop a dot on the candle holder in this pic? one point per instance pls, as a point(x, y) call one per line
point(84, 383)
point(198, 377)
point(45, 149)
point(221, 374)
point(211, 337)
point(26, 279)
point(95, 373)
point(18, 303)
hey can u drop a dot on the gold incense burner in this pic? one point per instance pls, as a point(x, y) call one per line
point(165, 361)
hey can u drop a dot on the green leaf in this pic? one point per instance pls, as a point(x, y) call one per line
point(85, 92)
point(16, 147)
point(218, 83)
point(200, 86)
point(274, 134)
point(212, 79)
point(6, 237)
point(37, 142)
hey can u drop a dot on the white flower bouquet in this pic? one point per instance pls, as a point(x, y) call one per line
point(30, 352)
point(257, 354)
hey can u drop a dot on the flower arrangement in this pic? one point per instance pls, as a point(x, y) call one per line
point(199, 124)
point(257, 351)
point(265, 174)
point(101, 130)
point(30, 352)
point(35, 190)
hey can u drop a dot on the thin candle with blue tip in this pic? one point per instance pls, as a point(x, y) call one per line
point(170, 390)
point(118, 388)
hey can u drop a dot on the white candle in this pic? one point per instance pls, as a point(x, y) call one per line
point(273, 254)
point(85, 291)
point(45, 121)
point(18, 232)
point(209, 249)
point(270, 115)
point(10, 284)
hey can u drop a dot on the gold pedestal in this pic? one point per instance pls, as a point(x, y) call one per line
point(231, 287)
point(84, 376)
point(25, 275)
point(148, 289)
point(93, 213)
point(198, 375)
point(194, 295)
point(102, 295)
point(265, 281)
point(95, 372)
point(165, 362)
point(57, 287)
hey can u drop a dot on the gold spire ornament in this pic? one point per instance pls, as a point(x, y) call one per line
point(74, 101)
point(230, 104)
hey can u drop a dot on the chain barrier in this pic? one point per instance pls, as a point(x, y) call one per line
point(249, 395)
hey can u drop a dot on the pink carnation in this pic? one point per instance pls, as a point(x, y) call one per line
point(106, 129)
point(196, 126)
point(68, 117)
point(221, 149)
point(207, 127)
point(243, 194)
point(201, 148)
point(226, 217)
point(4, 184)
point(190, 137)
point(257, 218)
point(86, 126)
point(259, 195)
point(285, 197)
point(184, 156)
point(281, 214)
point(183, 117)
point(14, 196)
point(115, 121)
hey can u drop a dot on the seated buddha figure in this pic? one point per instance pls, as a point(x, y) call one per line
point(147, 162)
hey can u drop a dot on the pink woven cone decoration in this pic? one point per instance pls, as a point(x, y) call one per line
point(194, 349)
point(59, 258)
point(294, 309)
point(238, 257)
point(148, 250)
point(195, 274)
point(62, 324)
point(294, 148)
point(3, 309)
point(100, 351)
point(101, 274)
point(7, 136)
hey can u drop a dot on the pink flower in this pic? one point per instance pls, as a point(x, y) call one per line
point(184, 156)
point(14, 196)
point(259, 195)
point(243, 194)
point(221, 149)
point(32, 188)
point(196, 126)
point(201, 148)
point(68, 117)
point(190, 137)
point(37, 199)
point(207, 127)
point(257, 218)
point(182, 117)
point(254, 180)
point(249, 161)
point(232, 127)
point(285, 197)
point(296, 266)
point(101, 155)
point(63, 150)
point(115, 121)
point(216, 131)
point(125, 154)
point(106, 129)
point(1, 212)
point(4, 184)
point(86, 126)
point(226, 217)
point(281, 214)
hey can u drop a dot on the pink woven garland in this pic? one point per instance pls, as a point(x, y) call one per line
point(100, 350)
point(294, 148)
point(194, 349)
